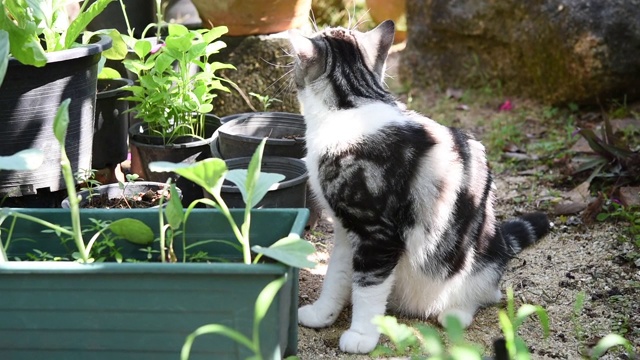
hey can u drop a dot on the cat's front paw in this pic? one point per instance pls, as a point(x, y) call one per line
point(314, 317)
point(358, 343)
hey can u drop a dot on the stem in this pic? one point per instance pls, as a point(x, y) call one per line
point(126, 18)
point(6, 244)
point(244, 242)
point(74, 204)
point(159, 18)
point(162, 236)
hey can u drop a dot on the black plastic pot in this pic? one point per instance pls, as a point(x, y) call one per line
point(240, 136)
point(139, 12)
point(186, 149)
point(289, 193)
point(113, 191)
point(29, 99)
point(110, 137)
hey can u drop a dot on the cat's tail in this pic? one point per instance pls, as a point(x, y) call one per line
point(525, 230)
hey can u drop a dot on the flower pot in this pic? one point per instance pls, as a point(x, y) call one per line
point(240, 136)
point(289, 193)
point(110, 137)
point(29, 99)
point(142, 310)
point(381, 10)
point(139, 12)
point(187, 149)
point(254, 17)
point(113, 191)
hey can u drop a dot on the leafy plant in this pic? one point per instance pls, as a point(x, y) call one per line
point(131, 229)
point(253, 185)
point(265, 100)
point(425, 340)
point(615, 211)
point(36, 27)
point(612, 154)
point(170, 97)
point(510, 321)
point(263, 302)
point(88, 178)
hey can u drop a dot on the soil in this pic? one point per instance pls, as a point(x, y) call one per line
point(594, 258)
point(140, 200)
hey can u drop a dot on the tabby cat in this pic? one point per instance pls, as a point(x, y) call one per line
point(412, 200)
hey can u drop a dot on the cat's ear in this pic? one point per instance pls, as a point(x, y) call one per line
point(377, 43)
point(302, 46)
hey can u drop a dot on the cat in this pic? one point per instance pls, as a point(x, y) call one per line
point(412, 200)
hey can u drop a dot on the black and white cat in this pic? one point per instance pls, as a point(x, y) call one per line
point(412, 199)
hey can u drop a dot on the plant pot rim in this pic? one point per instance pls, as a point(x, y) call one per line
point(137, 131)
point(279, 185)
point(115, 91)
point(103, 43)
point(83, 194)
point(240, 119)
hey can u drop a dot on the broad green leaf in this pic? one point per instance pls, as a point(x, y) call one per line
point(431, 340)
point(291, 250)
point(263, 302)
point(215, 47)
point(208, 173)
point(118, 50)
point(609, 341)
point(61, 121)
point(142, 48)
point(24, 43)
point(259, 189)
point(174, 211)
point(29, 159)
point(4, 54)
point(178, 30)
point(465, 352)
point(132, 230)
point(84, 18)
point(109, 73)
point(214, 33)
point(179, 43)
point(454, 329)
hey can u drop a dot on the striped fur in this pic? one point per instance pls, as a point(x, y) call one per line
point(412, 199)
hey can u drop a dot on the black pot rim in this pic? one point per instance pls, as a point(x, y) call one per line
point(103, 43)
point(83, 193)
point(134, 131)
point(280, 185)
point(239, 119)
point(116, 91)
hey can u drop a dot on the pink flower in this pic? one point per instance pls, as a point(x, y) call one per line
point(156, 48)
point(506, 106)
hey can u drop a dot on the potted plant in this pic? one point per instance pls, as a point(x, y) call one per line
point(254, 17)
point(173, 102)
point(141, 309)
point(49, 61)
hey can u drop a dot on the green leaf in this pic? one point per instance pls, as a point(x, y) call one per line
point(431, 340)
point(142, 48)
point(263, 302)
point(4, 54)
point(29, 159)
point(400, 334)
point(609, 341)
point(24, 42)
point(291, 250)
point(61, 121)
point(132, 230)
point(526, 310)
point(118, 50)
point(84, 18)
point(213, 329)
point(454, 329)
point(178, 30)
point(109, 73)
point(240, 177)
point(465, 352)
point(214, 33)
point(208, 173)
point(174, 211)
point(179, 43)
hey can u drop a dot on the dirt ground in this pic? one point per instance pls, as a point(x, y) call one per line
point(573, 258)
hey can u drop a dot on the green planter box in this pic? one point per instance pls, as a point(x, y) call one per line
point(65, 310)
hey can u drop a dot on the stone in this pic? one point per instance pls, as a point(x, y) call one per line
point(262, 67)
point(556, 51)
point(630, 195)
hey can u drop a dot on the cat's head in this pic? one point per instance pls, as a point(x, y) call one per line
point(343, 68)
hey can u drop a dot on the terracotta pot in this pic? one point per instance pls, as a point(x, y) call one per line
point(245, 17)
point(381, 10)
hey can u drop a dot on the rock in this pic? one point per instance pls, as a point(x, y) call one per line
point(261, 65)
point(553, 50)
point(630, 195)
